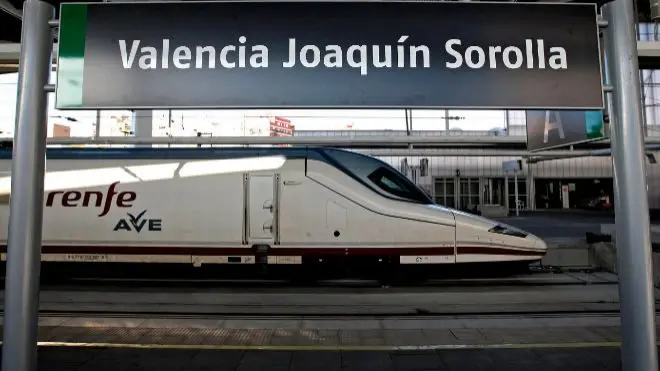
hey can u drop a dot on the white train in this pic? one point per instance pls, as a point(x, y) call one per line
point(274, 206)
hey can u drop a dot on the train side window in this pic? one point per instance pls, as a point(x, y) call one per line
point(389, 182)
point(377, 175)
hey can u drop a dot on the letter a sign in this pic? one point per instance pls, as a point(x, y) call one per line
point(554, 123)
point(553, 129)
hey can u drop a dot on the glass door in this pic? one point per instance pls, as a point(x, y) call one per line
point(493, 191)
point(445, 192)
point(522, 193)
point(469, 193)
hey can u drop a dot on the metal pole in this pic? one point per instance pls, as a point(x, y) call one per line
point(169, 125)
point(409, 125)
point(506, 192)
point(97, 129)
point(19, 351)
point(637, 302)
point(515, 190)
point(608, 108)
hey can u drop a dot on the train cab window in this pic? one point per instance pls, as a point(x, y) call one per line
point(389, 182)
point(377, 175)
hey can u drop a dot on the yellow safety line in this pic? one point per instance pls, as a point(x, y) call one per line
point(331, 347)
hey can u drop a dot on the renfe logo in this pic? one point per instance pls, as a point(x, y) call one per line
point(73, 198)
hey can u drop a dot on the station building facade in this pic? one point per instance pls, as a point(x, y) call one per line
point(467, 182)
point(463, 182)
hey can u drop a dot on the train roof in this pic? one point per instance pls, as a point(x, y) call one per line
point(190, 153)
point(356, 165)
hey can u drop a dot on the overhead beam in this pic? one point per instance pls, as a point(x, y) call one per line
point(649, 54)
point(335, 141)
point(549, 156)
point(554, 154)
point(532, 157)
point(7, 7)
point(9, 53)
point(649, 49)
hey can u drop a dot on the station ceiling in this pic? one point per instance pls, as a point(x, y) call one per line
point(10, 26)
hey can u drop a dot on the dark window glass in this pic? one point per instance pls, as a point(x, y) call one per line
point(378, 175)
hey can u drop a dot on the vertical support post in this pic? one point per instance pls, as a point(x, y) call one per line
point(506, 193)
point(143, 125)
point(531, 188)
point(409, 125)
point(97, 130)
point(169, 126)
point(169, 122)
point(608, 109)
point(405, 115)
point(636, 296)
point(19, 350)
point(515, 191)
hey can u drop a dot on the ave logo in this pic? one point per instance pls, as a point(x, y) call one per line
point(138, 223)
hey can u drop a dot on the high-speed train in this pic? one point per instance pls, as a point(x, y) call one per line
point(268, 206)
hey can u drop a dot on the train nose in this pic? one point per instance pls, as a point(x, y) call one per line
point(538, 243)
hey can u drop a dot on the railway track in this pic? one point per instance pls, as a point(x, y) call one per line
point(539, 278)
point(331, 317)
point(536, 294)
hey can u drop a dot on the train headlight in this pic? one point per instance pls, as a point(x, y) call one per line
point(507, 230)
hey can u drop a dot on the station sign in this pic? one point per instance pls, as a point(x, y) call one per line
point(461, 55)
point(553, 129)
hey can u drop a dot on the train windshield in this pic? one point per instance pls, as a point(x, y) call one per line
point(378, 176)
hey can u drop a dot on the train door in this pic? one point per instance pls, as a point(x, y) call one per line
point(262, 209)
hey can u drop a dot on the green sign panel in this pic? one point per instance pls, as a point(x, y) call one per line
point(71, 54)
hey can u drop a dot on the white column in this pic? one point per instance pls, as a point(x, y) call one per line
point(143, 125)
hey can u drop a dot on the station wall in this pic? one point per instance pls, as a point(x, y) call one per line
point(491, 167)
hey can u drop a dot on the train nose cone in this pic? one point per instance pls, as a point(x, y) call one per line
point(538, 243)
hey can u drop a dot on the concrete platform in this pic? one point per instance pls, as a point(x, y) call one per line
point(570, 253)
point(559, 224)
point(328, 333)
point(565, 234)
point(537, 359)
point(185, 328)
point(283, 338)
point(609, 229)
point(460, 343)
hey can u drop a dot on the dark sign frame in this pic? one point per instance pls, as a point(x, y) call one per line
point(91, 74)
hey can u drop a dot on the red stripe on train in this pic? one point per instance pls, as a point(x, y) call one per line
point(282, 251)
